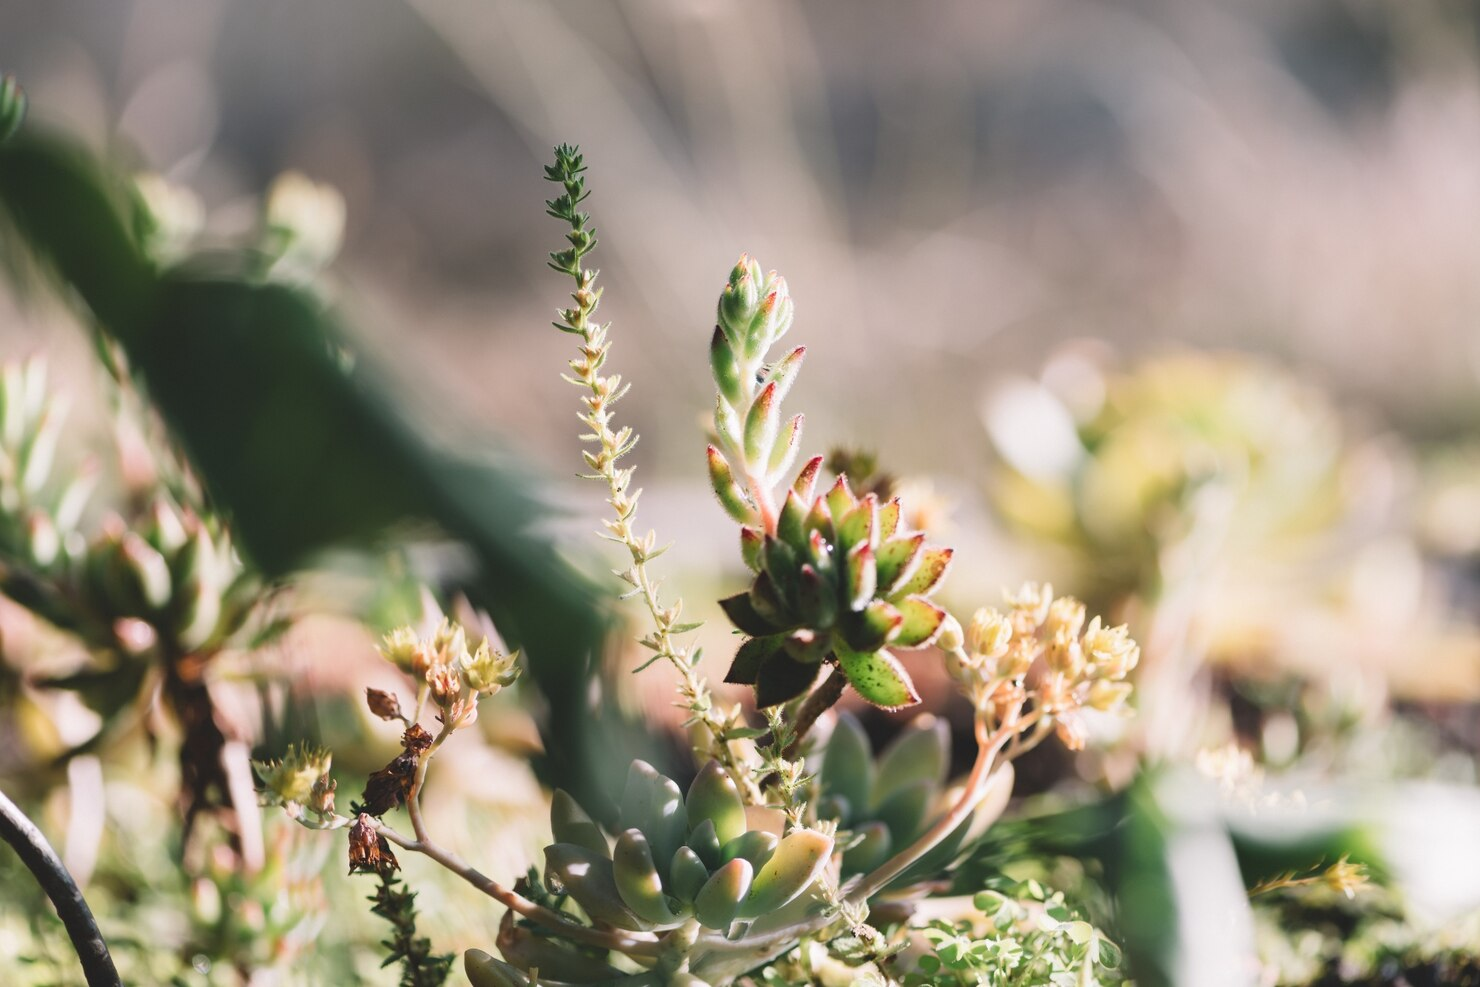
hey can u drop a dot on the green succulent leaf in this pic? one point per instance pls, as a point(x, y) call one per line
point(922, 621)
point(791, 522)
point(638, 880)
point(752, 542)
point(713, 795)
point(754, 845)
point(932, 567)
point(782, 678)
point(879, 678)
point(754, 653)
point(895, 560)
point(762, 423)
point(570, 824)
point(688, 874)
point(718, 902)
point(862, 574)
point(889, 519)
point(784, 373)
point(847, 770)
point(840, 499)
point(587, 877)
point(857, 526)
point(743, 615)
point(704, 841)
point(872, 627)
point(920, 752)
point(727, 373)
point(872, 849)
point(904, 810)
point(806, 482)
point(722, 482)
point(799, 858)
point(653, 804)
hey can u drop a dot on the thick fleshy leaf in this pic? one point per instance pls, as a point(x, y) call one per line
point(922, 751)
point(784, 372)
point(889, 519)
point(718, 902)
point(932, 567)
point(857, 526)
point(754, 845)
point(871, 850)
point(788, 443)
point(722, 482)
point(879, 678)
point(705, 843)
point(767, 601)
point(751, 543)
point(806, 482)
point(922, 620)
point(847, 770)
point(587, 877)
point(791, 523)
point(638, 880)
point(751, 656)
point(742, 614)
point(799, 858)
point(783, 678)
point(713, 795)
point(569, 823)
point(872, 627)
point(895, 560)
point(762, 423)
point(726, 368)
point(687, 874)
point(781, 565)
point(817, 600)
point(904, 810)
point(653, 804)
point(808, 646)
point(840, 499)
point(862, 575)
point(819, 520)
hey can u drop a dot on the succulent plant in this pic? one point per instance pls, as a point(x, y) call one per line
point(884, 802)
point(838, 579)
point(678, 857)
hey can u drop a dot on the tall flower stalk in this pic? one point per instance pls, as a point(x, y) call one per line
point(719, 724)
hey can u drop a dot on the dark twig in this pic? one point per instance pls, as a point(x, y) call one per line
point(43, 862)
point(822, 699)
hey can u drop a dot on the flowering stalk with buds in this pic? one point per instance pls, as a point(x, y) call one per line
point(704, 886)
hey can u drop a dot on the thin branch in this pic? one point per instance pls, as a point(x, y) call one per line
point(36, 853)
point(630, 943)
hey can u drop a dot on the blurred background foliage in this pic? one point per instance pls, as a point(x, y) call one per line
point(1172, 302)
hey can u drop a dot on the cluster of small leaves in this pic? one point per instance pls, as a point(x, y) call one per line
point(420, 967)
point(837, 576)
point(1029, 939)
point(720, 726)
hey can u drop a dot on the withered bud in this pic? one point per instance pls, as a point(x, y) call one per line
point(368, 850)
point(416, 739)
point(387, 788)
point(383, 704)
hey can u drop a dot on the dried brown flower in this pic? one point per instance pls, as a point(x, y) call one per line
point(383, 704)
point(368, 850)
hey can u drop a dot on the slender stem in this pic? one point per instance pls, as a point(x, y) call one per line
point(36, 853)
point(631, 943)
point(823, 698)
point(413, 797)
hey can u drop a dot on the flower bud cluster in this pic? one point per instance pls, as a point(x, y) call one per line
point(1074, 666)
point(453, 675)
point(300, 783)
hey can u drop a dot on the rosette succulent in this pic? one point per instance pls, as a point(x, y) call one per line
point(679, 856)
point(838, 578)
